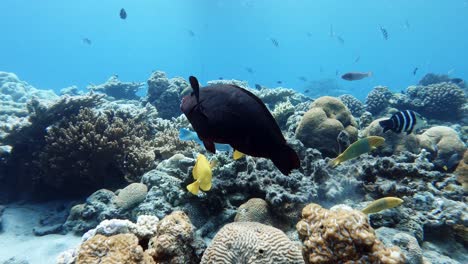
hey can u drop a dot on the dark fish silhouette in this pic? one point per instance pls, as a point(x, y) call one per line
point(309, 34)
point(306, 91)
point(302, 78)
point(340, 39)
point(384, 33)
point(357, 59)
point(228, 114)
point(86, 41)
point(415, 71)
point(336, 72)
point(258, 86)
point(275, 42)
point(191, 33)
point(354, 76)
point(407, 121)
point(249, 70)
point(279, 82)
point(123, 14)
point(220, 78)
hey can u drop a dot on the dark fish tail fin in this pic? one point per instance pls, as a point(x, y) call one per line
point(286, 159)
point(386, 124)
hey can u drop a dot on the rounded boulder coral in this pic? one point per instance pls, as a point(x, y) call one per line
point(323, 123)
point(341, 236)
point(253, 243)
point(378, 99)
point(254, 210)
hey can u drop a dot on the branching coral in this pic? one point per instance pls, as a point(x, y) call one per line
point(341, 236)
point(378, 99)
point(89, 148)
point(167, 144)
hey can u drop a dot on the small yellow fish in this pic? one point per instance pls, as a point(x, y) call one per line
point(358, 148)
point(202, 174)
point(382, 204)
point(237, 155)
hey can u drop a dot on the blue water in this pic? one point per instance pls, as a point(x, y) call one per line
point(41, 41)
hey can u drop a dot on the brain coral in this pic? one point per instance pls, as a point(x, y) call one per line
point(321, 125)
point(341, 236)
point(122, 248)
point(251, 242)
point(353, 104)
point(378, 99)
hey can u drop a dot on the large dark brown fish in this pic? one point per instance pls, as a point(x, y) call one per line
point(228, 114)
point(354, 76)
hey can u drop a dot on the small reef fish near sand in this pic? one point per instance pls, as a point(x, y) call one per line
point(358, 148)
point(123, 14)
point(382, 204)
point(229, 114)
point(202, 174)
point(187, 135)
point(354, 76)
point(407, 121)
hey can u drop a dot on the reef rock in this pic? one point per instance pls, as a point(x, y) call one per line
point(117, 89)
point(394, 142)
point(321, 125)
point(251, 242)
point(444, 144)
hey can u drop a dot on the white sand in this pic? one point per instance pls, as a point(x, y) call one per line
point(17, 239)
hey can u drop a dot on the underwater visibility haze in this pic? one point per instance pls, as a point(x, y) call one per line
point(250, 131)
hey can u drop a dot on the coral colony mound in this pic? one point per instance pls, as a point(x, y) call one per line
point(104, 176)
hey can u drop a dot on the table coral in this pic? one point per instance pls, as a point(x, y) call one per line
point(341, 236)
point(253, 243)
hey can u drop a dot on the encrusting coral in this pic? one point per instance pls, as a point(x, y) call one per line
point(323, 123)
point(342, 236)
point(253, 243)
point(121, 248)
point(174, 241)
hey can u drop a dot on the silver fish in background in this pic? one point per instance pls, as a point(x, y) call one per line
point(407, 121)
point(354, 76)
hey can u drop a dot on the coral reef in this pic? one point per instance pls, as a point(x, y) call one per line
point(353, 104)
point(175, 241)
point(462, 172)
point(131, 195)
point(432, 78)
point(92, 149)
point(122, 248)
point(282, 112)
point(444, 145)
point(322, 124)
point(394, 142)
point(251, 242)
point(378, 99)
point(254, 210)
point(341, 236)
point(443, 101)
point(113, 87)
point(165, 94)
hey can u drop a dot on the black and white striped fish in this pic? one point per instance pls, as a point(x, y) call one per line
point(407, 121)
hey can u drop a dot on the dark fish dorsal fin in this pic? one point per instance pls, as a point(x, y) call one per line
point(195, 86)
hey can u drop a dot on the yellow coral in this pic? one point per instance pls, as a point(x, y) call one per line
point(341, 236)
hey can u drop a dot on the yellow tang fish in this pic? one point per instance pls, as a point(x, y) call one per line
point(382, 204)
point(202, 174)
point(358, 148)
